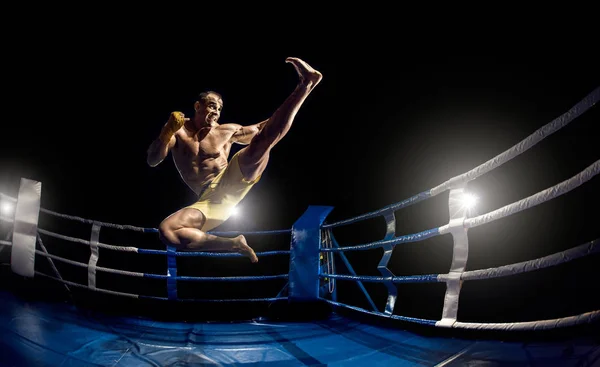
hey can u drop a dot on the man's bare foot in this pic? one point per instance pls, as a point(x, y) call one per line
point(308, 75)
point(241, 246)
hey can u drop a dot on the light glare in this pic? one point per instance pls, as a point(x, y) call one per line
point(469, 201)
point(6, 208)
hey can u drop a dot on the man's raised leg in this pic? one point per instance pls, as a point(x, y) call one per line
point(253, 158)
point(181, 229)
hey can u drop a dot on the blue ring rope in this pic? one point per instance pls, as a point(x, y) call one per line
point(236, 233)
point(381, 314)
point(216, 300)
point(431, 278)
point(232, 233)
point(216, 279)
point(210, 254)
point(402, 204)
point(395, 241)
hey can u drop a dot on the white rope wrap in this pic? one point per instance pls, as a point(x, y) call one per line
point(6, 243)
point(532, 325)
point(93, 255)
point(25, 228)
point(538, 198)
point(460, 253)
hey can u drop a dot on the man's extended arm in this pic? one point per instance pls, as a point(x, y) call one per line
point(245, 133)
point(160, 147)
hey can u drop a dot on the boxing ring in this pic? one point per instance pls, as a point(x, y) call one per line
point(44, 333)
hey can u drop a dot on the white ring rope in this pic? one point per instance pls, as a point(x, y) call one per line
point(558, 258)
point(525, 144)
point(6, 243)
point(523, 204)
point(455, 182)
point(583, 318)
point(536, 199)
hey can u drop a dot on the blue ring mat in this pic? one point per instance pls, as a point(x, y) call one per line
point(42, 333)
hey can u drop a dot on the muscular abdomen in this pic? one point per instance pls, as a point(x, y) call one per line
point(198, 162)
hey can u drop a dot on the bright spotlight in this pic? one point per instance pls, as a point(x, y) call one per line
point(6, 208)
point(235, 211)
point(469, 201)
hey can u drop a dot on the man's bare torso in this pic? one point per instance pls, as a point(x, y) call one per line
point(200, 156)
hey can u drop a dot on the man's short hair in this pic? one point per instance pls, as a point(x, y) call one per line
point(202, 96)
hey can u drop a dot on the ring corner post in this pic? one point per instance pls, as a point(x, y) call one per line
point(304, 255)
point(25, 228)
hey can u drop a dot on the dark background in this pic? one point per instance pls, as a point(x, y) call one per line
point(388, 121)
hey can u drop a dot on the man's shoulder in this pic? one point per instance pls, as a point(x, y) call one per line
point(230, 127)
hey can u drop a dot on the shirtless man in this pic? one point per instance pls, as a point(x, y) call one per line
point(200, 148)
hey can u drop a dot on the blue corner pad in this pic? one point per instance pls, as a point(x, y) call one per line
point(304, 254)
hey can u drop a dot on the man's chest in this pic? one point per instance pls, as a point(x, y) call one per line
point(211, 143)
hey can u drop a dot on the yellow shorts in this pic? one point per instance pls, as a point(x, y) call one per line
point(222, 194)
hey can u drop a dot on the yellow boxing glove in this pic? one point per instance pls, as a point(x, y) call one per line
point(175, 122)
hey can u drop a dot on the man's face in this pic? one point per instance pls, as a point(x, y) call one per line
point(209, 110)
